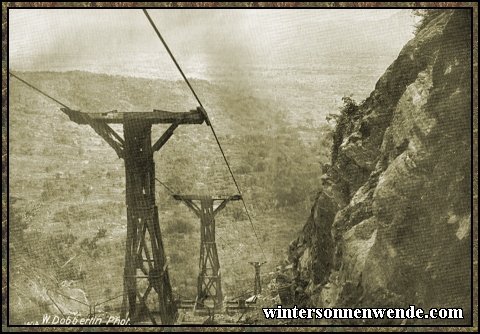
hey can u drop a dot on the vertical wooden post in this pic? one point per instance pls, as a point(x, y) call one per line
point(209, 284)
point(146, 272)
point(257, 288)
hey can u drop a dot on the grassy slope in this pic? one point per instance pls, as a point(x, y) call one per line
point(67, 182)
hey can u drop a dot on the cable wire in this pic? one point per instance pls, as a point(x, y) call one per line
point(211, 126)
point(38, 90)
point(166, 187)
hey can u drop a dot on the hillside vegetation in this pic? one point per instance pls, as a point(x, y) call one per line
point(67, 186)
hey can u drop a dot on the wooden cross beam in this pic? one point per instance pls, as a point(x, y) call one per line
point(153, 117)
point(99, 122)
point(189, 201)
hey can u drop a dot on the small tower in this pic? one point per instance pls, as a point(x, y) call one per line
point(257, 284)
point(209, 282)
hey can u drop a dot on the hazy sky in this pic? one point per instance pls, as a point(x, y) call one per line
point(118, 40)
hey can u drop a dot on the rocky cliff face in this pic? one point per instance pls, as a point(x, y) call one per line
point(391, 226)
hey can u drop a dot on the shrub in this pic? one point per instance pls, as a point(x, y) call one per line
point(62, 138)
point(52, 189)
point(260, 166)
point(90, 245)
point(243, 169)
point(179, 227)
point(17, 224)
point(348, 113)
point(238, 213)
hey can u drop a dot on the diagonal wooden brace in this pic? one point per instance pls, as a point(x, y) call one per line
point(101, 128)
point(164, 138)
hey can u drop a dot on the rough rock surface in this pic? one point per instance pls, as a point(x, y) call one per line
point(391, 226)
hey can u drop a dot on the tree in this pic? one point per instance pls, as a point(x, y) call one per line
point(348, 113)
point(425, 17)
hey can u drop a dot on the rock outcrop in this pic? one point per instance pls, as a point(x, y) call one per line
point(391, 226)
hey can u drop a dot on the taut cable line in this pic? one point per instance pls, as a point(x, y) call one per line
point(38, 90)
point(159, 35)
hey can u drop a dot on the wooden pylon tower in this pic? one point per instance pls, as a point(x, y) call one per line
point(209, 281)
point(147, 290)
point(257, 288)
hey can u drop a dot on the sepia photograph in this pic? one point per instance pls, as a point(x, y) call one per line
point(233, 165)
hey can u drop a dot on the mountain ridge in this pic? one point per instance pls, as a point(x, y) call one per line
point(391, 226)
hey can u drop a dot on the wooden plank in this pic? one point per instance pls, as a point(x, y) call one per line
point(153, 117)
point(200, 197)
point(101, 128)
point(165, 137)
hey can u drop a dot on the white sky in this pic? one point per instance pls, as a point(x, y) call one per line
point(55, 39)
